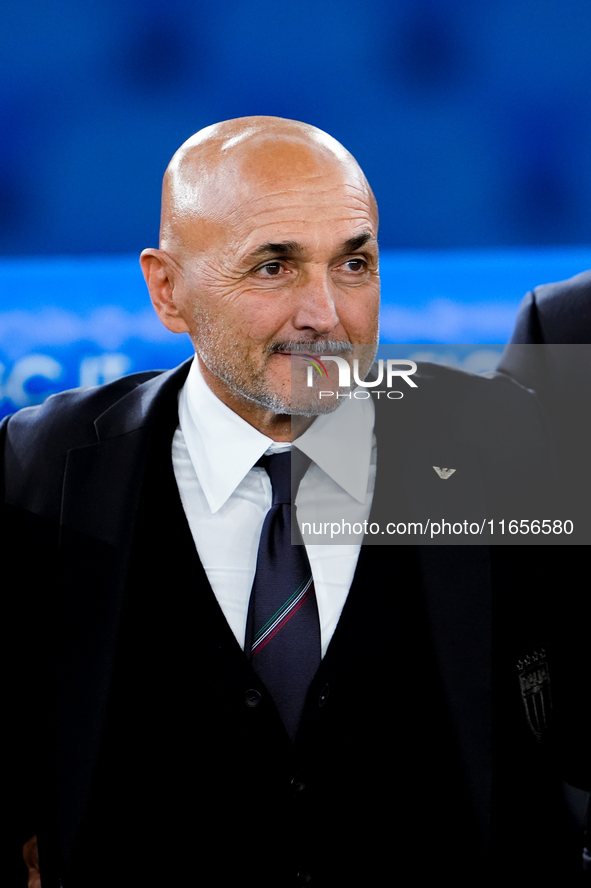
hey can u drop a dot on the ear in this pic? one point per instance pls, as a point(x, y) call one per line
point(164, 282)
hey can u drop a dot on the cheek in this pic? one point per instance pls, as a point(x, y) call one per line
point(238, 328)
point(260, 317)
point(361, 319)
point(237, 312)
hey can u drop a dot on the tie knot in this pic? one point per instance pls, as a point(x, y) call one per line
point(285, 470)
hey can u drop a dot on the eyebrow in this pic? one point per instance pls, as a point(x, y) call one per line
point(287, 248)
point(355, 243)
point(293, 248)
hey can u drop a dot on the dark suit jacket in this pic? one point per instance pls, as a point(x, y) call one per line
point(409, 757)
point(550, 353)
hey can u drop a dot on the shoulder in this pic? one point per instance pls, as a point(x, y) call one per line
point(35, 441)
point(489, 410)
point(71, 414)
point(556, 313)
point(455, 393)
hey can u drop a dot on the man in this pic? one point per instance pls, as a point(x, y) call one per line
point(164, 748)
point(550, 352)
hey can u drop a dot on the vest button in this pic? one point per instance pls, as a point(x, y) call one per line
point(252, 698)
point(297, 785)
point(323, 695)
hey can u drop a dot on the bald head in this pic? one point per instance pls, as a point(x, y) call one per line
point(215, 169)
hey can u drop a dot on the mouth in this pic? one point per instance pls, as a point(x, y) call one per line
point(305, 355)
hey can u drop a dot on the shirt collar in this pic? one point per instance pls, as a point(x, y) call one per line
point(223, 447)
point(340, 443)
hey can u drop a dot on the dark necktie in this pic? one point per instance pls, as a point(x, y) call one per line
point(283, 630)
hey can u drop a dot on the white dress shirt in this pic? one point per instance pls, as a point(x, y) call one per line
point(226, 497)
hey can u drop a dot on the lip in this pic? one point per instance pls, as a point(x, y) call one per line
point(288, 354)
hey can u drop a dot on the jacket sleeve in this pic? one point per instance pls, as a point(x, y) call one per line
point(20, 717)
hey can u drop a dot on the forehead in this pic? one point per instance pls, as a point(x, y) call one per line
point(296, 195)
point(285, 191)
point(318, 213)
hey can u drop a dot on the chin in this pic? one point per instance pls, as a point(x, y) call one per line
point(315, 409)
point(281, 405)
point(272, 395)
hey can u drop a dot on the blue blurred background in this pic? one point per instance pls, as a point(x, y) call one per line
point(471, 120)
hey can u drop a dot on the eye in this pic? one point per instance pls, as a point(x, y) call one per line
point(356, 264)
point(270, 269)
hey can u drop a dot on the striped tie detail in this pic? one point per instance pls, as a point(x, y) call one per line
point(280, 617)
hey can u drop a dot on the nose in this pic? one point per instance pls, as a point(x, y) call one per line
point(315, 308)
